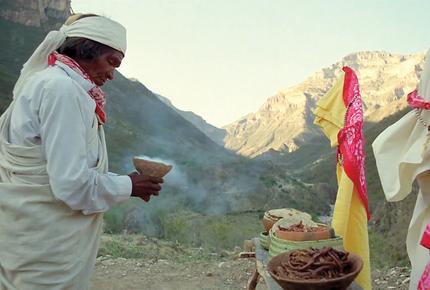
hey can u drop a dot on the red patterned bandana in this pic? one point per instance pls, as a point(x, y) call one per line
point(350, 137)
point(417, 102)
point(95, 93)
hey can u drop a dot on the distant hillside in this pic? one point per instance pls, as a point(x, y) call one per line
point(214, 133)
point(285, 121)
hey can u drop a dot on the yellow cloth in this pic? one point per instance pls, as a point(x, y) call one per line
point(349, 217)
point(330, 112)
point(350, 222)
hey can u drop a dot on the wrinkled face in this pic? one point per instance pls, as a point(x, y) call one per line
point(103, 67)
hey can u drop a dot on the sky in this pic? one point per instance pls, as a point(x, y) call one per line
point(222, 59)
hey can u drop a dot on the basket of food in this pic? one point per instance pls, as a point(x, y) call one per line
point(272, 216)
point(302, 232)
point(315, 269)
point(264, 240)
point(279, 245)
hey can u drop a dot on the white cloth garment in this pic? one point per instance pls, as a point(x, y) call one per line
point(54, 184)
point(64, 105)
point(97, 28)
point(402, 155)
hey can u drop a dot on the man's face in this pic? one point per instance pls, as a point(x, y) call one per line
point(102, 68)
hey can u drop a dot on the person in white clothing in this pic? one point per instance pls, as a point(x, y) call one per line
point(54, 179)
point(402, 155)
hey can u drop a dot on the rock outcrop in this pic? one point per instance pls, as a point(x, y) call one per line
point(38, 13)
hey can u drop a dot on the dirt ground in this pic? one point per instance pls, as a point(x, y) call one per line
point(122, 274)
point(225, 274)
point(142, 263)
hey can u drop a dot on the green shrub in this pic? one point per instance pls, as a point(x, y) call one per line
point(121, 247)
point(113, 221)
point(176, 227)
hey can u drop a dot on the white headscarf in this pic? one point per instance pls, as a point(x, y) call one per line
point(97, 28)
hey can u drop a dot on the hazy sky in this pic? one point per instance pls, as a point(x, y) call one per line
point(223, 58)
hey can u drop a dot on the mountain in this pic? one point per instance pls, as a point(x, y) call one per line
point(214, 133)
point(285, 121)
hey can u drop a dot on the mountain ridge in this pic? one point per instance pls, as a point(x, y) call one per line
point(285, 120)
point(213, 132)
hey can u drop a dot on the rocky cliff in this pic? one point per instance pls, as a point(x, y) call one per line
point(285, 121)
point(38, 13)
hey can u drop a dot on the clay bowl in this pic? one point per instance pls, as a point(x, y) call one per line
point(151, 168)
point(340, 283)
point(323, 234)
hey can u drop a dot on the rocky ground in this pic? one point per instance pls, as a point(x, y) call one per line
point(120, 273)
point(393, 278)
point(164, 265)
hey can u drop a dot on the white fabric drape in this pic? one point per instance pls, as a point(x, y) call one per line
point(60, 118)
point(402, 155)
point(43, 243)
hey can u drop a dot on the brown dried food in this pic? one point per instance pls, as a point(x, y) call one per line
point(314, 264)
point(300, 227)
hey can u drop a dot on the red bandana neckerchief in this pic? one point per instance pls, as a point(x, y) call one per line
point(95, 93)
point(417, 102)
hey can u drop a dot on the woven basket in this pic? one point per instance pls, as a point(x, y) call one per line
point(278, 246)
point(264, 240)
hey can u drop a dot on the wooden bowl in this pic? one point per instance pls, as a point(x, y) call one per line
point(340, 283)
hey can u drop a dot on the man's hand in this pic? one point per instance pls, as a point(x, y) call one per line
point(144, 186)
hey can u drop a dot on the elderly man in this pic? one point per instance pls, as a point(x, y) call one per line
point(54, 183)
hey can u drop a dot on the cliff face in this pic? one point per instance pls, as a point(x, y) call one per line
point(285, 121)
point(37, 13)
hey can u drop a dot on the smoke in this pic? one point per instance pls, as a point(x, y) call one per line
point(179, 192)
point(178, 182)
point(200, 182)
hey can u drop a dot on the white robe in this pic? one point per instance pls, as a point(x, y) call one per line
point(54, 184)
point(401, 158)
